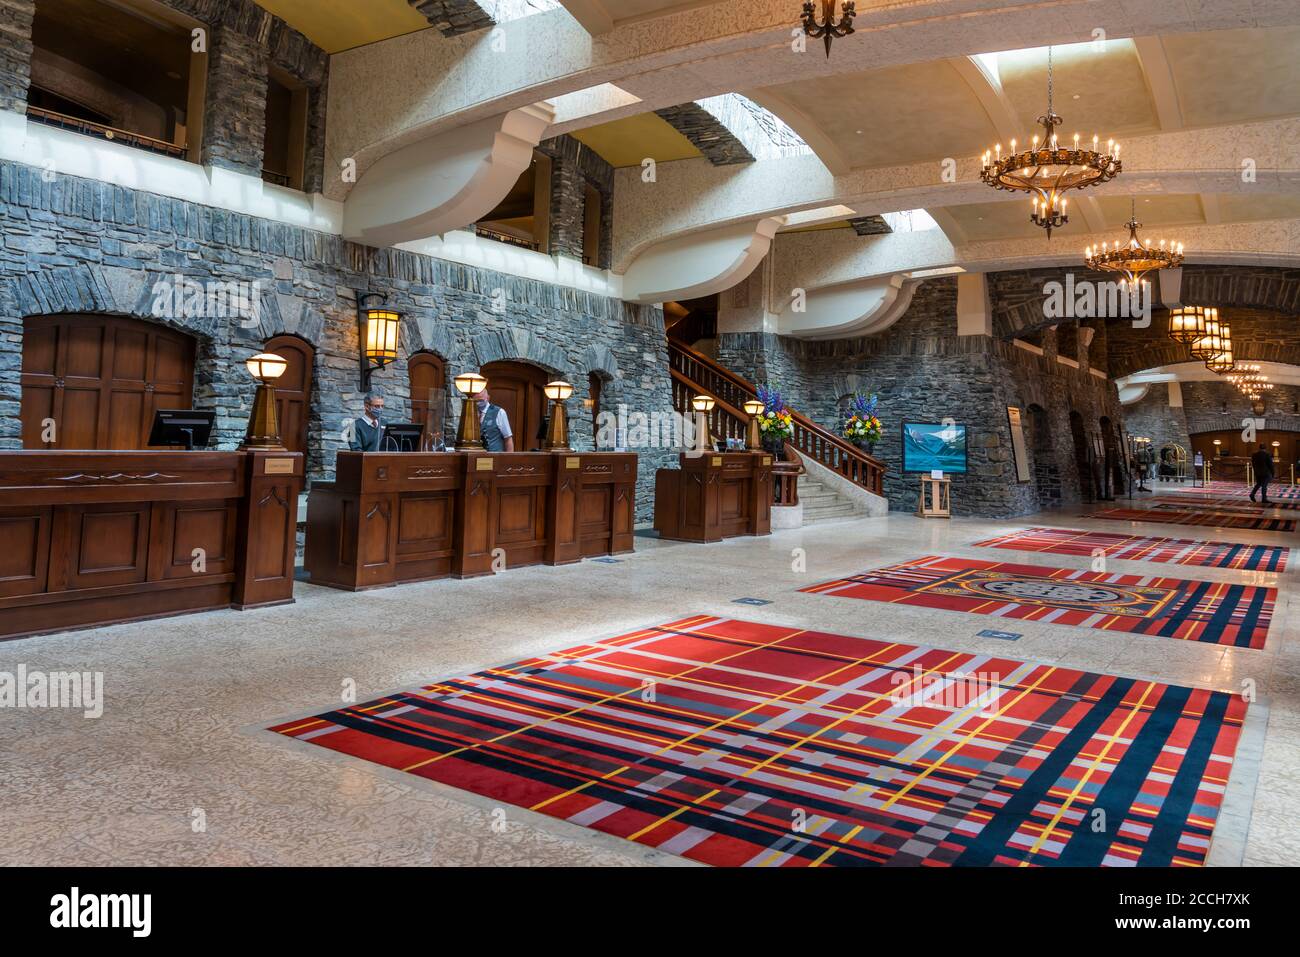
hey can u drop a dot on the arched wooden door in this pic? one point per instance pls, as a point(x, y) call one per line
point(518, 388)
point(428, 378)
point(100, 379)
point(293, 390)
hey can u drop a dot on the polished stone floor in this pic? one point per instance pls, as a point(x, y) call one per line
point(179, 769)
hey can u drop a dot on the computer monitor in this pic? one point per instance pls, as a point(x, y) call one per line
point(190, 428)
point(401, 437)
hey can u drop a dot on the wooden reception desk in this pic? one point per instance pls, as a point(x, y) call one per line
point(98, 537)
point(715, 496)
point(398, 517)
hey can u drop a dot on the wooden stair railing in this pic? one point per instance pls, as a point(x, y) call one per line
point(693, 373)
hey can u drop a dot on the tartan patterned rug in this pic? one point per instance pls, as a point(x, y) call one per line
point(1143, 548)
point(736, 743)
point(1229, 490)
point(1242, 505)
point(1218, 520)
point(1215, 612)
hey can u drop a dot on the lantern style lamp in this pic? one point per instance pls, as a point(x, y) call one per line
point(754, 441)
point(1223, 363)
point(1210, 344)
point(703, 405)
point(469, 435)
point(377, 331)
point(557, 429)
point(1187, 323)
point(263, 423)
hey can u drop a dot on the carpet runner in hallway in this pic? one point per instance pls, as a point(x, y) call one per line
point(1216, 519)
point(1143, 548)
point(736, 743)
point(1216, 612)
point(1242, 505)
point(1229, 490)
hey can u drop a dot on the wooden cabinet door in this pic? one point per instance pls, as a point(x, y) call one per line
point(293, 390)
point(100, 379)
point(518, 388)
point(428, 379)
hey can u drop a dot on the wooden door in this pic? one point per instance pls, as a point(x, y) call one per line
point(518, 388)
point(293, 390)
point(100, 379)
point(428, 379)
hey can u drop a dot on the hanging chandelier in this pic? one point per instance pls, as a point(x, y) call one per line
point(828, 29)
point(1223, 362)
point(1134, 258)
point(1210, 344)
point(1187, 323)
point(1048, 170)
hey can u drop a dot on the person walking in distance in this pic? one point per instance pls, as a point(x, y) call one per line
point(1262, 463)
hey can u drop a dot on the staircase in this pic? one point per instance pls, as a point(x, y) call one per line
point(695, 374)
point(822, 504)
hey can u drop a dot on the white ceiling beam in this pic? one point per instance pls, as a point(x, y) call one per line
point(1160, 82)
point(807, 128)
point(988, 90)
point(593, 16)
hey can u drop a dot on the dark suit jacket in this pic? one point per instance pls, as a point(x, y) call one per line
point(365, 438)
point(1262, 463)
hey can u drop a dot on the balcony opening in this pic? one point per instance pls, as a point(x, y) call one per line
point(118, 71)
point(523, 218)
point(591, 223)
point(284, 147)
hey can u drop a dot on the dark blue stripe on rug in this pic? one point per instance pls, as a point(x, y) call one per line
point(992, 840)
point(1162, 842)
point(1087, 848)
point(1183, 611)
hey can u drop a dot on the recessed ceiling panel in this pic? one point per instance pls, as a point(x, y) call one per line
point(628, 141)
point(1181, 209)
point(1098, 89)
point(1234, 76)
point(337, 25)
point(890, 117)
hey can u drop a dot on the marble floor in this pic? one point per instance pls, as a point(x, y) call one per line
point(179, 768)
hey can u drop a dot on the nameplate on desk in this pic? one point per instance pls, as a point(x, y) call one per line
point(279, 467)
point(767, 460)
point(572, 462)
point(483, 465)
point(717, 461)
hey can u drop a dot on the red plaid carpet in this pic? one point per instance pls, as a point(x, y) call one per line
point(1169, 607)
point(1216, 519)
point(1233, 505)
point(1218, 489)
point(736, 743)
point(1143, 548)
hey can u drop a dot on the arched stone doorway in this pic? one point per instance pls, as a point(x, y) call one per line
point(518, 388)
point(1083, 458)
point(99, 379)
point(427, 374)
point(1046, 470)
point(293, 389)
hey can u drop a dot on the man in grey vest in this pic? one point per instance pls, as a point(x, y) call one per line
point(367, 430)
point(494, 424)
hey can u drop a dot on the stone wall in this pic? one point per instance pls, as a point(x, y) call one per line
point(924, 372)
point(574, 166)
point(74, 245)
point(1152, 416)
point(234, 122)
point(15, 53)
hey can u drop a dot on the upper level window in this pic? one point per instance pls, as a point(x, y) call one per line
point(523, 218)
point(284, 146)
point(118, 71)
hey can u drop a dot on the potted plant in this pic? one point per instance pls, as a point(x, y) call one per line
point(860, 425)
point(775, 424)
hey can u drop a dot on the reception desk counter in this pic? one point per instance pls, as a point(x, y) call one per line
point(715, 496)
point(99, 537)
point(400, 517)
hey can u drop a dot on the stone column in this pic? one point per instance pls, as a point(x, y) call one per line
point(235, 120)
point(15, 53)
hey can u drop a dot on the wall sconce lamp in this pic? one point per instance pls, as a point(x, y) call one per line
point(263, 423)
point(703, 405)
point(755, 440)
point(377, 331)
point(469, 435)
point(557, 429)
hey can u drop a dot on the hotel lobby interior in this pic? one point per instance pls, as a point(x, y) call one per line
point(645, 433)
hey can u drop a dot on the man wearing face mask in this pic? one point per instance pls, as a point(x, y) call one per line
point(494, 424)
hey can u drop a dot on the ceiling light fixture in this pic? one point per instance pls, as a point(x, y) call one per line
point(1134, 258)
point(1047, 170)
point(828, 29)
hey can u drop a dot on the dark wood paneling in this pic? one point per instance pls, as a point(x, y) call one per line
point(715, 496)
point(101, 537)
point(100, 379)
point(518, 388)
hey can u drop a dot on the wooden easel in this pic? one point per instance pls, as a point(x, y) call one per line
point(936, 498)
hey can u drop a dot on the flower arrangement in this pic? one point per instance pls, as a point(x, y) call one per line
point(775, 422)
point(861, 426)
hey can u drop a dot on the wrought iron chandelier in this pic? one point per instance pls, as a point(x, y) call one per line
point(828, 29)
point(1134, 258)
point(1048, 170)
